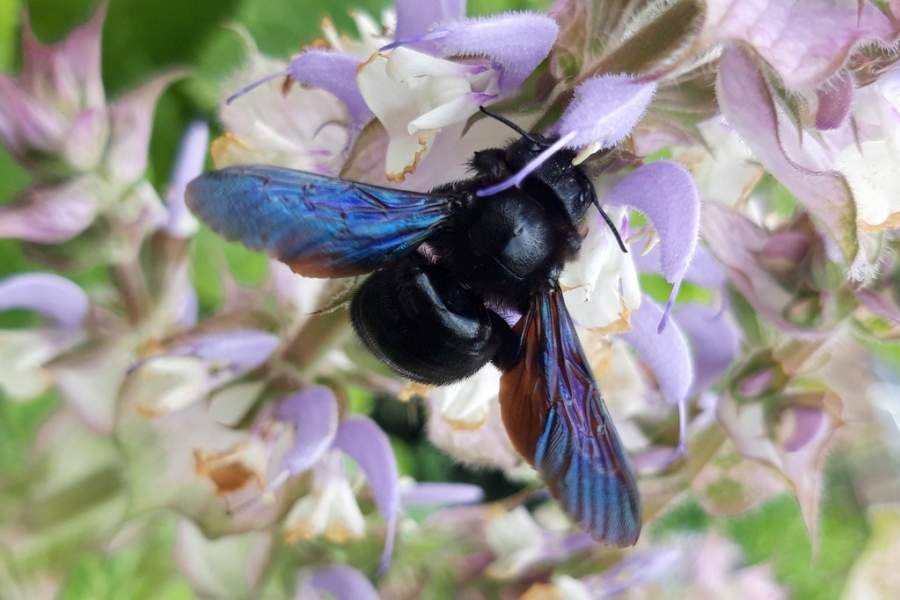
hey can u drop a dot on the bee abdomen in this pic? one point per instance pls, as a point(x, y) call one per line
point(422, 323)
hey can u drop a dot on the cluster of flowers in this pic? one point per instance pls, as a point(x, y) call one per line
point(747, 149)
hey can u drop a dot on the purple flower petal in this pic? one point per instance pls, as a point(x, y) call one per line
point(803, 466)
point(808, 422)
point(881, 304)
point(363, 441)
point(835, 100)
point(313, 412)
point(806, 41)
point(633, 573)
point(785, 249)
point(188, 165)
point(605, 109)
point(748, 106)
point(131, 118)
point(187, 315)
point(53, 296)
point(738, 243)
point(432, 494)
point(342, 582)
point(50, 214)
point(234, 353)
point(705, 271)
point(715, 342)
point(665, 192)
point(334, 72)
point(666, 354)
point(85, 142)
point(25, 124)
point(241, 350)
point(415, 17)
point(656, 458)
point(68, 70)
point(57, 105)
point(756, 384)
point(516, 42)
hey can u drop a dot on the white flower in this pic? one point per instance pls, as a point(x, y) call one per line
point(246, 462)
point(187, 372)
point(167, 384)
point(464, 421)
point(414, 95)
point(516, 541)
point(620, 377)
point(725, 170)
point(601, 286)
point(330, 509)
point(297, 127)
point(871, 170)
point(869, 155)
point(23, 354)
point(225, 567)
point(466, 404)
point(561, 587)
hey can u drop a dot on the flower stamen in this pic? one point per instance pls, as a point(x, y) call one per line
point(255, 84)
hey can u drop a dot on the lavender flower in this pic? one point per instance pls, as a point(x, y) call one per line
point(84, 152)
point(27, 352)
point(744, 149)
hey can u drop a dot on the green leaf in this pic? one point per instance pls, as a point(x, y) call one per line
point(144, 571)
point(656, 286)
point(19, 422)
point(9, 20)
point(13, 178)
point(487, 7)
point(249, 268)
point(687, 515)
point(205, 276)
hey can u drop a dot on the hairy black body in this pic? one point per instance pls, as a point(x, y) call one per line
point(428, 319)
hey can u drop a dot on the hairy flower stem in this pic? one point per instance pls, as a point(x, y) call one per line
point(90, 491)
point(702, 449)
point(313, 341)
point(132, 289)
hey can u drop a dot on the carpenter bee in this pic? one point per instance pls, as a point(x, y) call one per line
point(492, 248)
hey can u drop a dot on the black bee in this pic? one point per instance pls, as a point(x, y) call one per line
point(433, 316)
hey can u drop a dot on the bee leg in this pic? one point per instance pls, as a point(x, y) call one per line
point(510, 345)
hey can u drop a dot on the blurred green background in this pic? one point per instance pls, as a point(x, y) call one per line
point(142, 37)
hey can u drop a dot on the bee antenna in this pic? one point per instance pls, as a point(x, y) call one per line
point(511, 125)
point(609, 223)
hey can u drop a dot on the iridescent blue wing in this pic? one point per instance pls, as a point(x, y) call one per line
point(320, 226)
point(557, 420)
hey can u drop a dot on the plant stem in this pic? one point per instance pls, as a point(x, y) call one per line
point(132, 289)
point(313, 341)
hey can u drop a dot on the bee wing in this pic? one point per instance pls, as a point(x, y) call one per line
point(556, 419)
point(319, 226)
